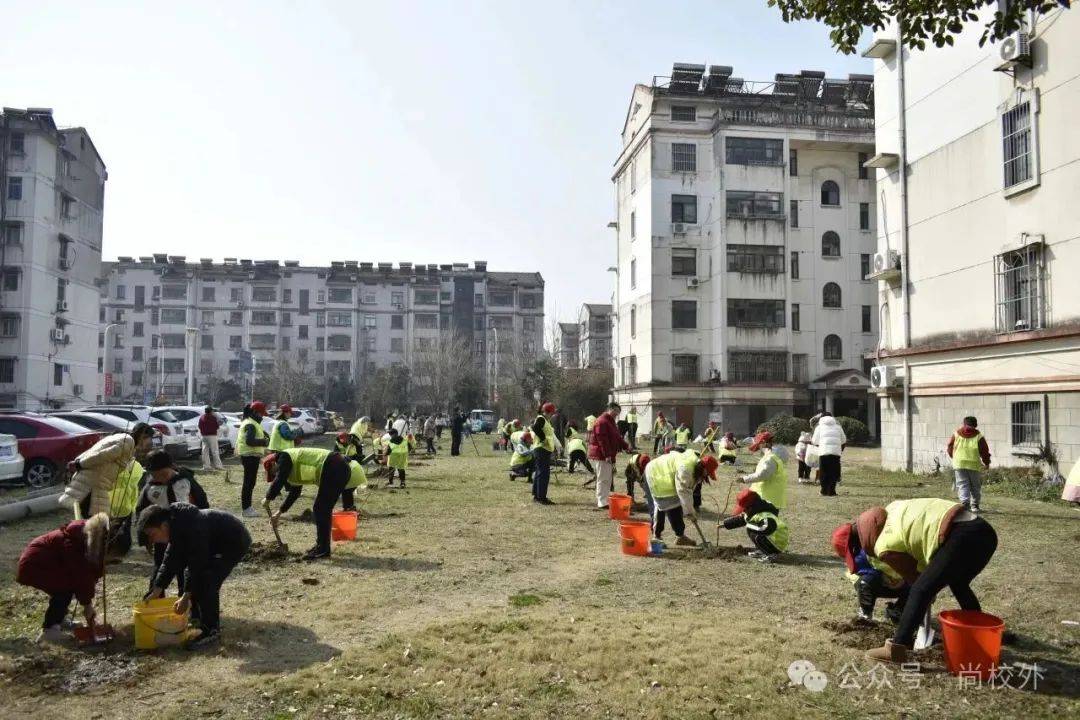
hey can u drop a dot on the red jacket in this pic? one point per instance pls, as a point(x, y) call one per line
point(970, 432)
point(606, 441)
point(208, 425)
point(56, 562)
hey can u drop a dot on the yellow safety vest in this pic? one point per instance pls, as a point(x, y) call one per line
point(912, 527)
point(574, 444)
point(357, 476)
point(781, 536)
point(516, 458)
point(772, 488)
point(277, 440)
point(549, 435)
point(242, 448)
point(631, 418)
point(590, 420)
point(307, 465)
point(682, 437)
point(125, 493)
point(662, 481)
point(399, 455)
point(965, 452)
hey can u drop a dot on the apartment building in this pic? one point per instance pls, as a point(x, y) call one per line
point(340, 320)
point(52, 189)
point(567, 345)
point(746, 229)
point(594, 331)
point(979, 242)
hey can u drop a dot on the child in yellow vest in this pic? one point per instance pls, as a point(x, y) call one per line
point(970, 456)
point(397, 456)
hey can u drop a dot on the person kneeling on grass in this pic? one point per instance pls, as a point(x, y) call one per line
point(64, 564)
point(672, 479)
point(932, 544)
point(206, 545)
point(871, 577)
point(763, 525)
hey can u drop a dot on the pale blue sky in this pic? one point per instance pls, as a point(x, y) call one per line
point(398, 131)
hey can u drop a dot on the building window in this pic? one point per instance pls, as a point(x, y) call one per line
point(236, 342)
point(12, 234)
point(629, 370)
point(137, 353)
point(683, 262)
point(755, 259)
point(800, 368)
point(370, 321)
point(121, 292)
point(633, 226)
point(397, 322)
point(397, 345)
point(302, 332)
point(684, 368)
point(236, 294)
point(793, 163)
point(794, 264)
point(755, 313)
point(863, 157)
point(1018, 146)
point(864, 216)
point(830, 244)
point(683, 113)
point(830, 193)
point(206, 342)
point(9, 326)
point(176, 316)
point(795, 325)
point(528, 324)
point(17, 143)
point(684, 157)
point(794, 212)
point(426, 297)
point(339, 318)
point(344, 295)
point(683, 314)
point(137, 329)
point(752, 367)
point(500, 297)
point(339, 342)
point(529, 301)
point(426, 322)
point(320, 319)
point(830, 295)
point(864, 265)
point(58, 374)
point(208, 294)
point(67, 207)
point(633, 273)
point(286, 295)
point(7, 370)
point(1019, 289)
point(753, 151)
point(743, 203)
point(633, 321)
point(1026, 423)
point(867, 314)
point(14, 188)
point(137, 378)
point(11, 279)
point(834, 349)
point(684, 209)
point(633, 176)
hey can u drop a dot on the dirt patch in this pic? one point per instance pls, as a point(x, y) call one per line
point(267, 553)
point(68, 673)
point(857, 633)
point(718, 552)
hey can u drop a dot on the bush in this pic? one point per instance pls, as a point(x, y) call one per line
point(785, 428)
point(856, 430)
point(1026, 483)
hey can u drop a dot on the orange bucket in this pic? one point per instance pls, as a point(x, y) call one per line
point(619, 506)
point(343, 525)
point(972, 641)
point(634, 536)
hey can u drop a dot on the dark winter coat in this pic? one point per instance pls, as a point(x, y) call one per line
point(56, 562)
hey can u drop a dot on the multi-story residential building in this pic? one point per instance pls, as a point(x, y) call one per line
point(594, 331)
point(745, 234)
point(567, 345)
point(979, 242)
point(52, 189)
point(337, 321)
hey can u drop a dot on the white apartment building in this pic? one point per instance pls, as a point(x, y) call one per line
point(594, 333)
point(745, 236)
point(567, 345)
point(340, 320)
point(52, 190)
point(979, 234)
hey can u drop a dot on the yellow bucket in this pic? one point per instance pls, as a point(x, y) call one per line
point(156, 625)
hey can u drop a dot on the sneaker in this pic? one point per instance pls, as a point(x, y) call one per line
point(755, 554)
point(251, 512)
point(316, 553)
point(685, 541)
point(53, 635)
point(545, 501)
point(206, 639)
point(975, 510)
point(767, 559)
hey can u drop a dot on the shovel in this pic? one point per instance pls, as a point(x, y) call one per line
point(704, 542)
point(95, 634)
point(924, 638)
point(277, 535)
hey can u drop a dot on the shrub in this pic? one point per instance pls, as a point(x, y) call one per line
point(1027, 483)
point(785, 428)
point(856, 430)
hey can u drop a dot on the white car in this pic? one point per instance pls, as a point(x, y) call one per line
point(308, 421)
point(267, 423)
point(100, 422)
point(11, 462)
point(173, 438)
point(189, 415)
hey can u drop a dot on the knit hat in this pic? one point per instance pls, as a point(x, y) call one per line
point(548, 408)
point(841, 542)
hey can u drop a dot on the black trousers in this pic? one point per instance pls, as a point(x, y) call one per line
point(762, 542)
point(541, 473)
point(430, 445)
point(633, 436)
point(525, 469)
point(159, 557)
point(335, 476)
point(579, 456)
point(804, 470)
point(455, 443)
point(869, 591)
point(206, 586)
point(830, 473)
point(656, 445)
point(675, 515)
point(58, 608)
point(251, 475)
point(390, 476)
point(957, 561)
point(348, 499)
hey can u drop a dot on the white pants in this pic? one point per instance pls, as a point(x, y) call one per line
point(605, 474)
point(210, 451)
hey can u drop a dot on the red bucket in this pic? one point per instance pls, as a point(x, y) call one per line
point(634, 537)
point(619, 506)
point(343, 525)
point(972, 641)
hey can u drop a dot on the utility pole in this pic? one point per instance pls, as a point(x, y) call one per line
point(191, 334)
point(106, 366)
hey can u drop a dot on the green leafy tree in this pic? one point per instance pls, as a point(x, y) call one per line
point(936, 21)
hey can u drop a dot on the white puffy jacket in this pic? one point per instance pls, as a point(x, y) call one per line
point(99, 467)
point(829, 436)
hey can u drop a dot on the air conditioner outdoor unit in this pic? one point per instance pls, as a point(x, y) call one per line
point(692, 282)
point(1015, 49)
point(883, 376)
point(58, 335)
point(883, 261)
point(678, 228)
point(61, 306)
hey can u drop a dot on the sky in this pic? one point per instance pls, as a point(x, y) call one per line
point(425, 132)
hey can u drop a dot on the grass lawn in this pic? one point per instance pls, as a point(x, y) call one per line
point(462, 598)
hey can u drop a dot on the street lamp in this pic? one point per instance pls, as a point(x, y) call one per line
point(191, 333)
point(106, 361)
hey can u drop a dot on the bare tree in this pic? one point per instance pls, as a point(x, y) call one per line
point(288, 382)
point(439, 373)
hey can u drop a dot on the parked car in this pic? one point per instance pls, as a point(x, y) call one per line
point(47, 445)
point(307, 420)
point(267, 423)
point(173, 439)
point(11, 462)
point(189, 415)
point(99, 422)
point(482, 421)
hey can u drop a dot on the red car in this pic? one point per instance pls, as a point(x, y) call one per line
point(47, 445)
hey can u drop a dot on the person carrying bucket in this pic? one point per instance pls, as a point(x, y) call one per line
point(672, 479)
point(932, 544)
point(769, 479)
point(763, 525)
point(396, 449)
point(333, 475)
point(635, 475)
point(871, 577)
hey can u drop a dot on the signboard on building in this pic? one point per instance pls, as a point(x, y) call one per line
point(108, 384)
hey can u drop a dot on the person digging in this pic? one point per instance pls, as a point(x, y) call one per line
point(769, 479)
point(333, 475)
point(763, 525)
point(672, 479)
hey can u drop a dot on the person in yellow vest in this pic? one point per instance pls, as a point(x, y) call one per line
point(970, 456)
point(631, 424)
point(1071, 492)
point(708, 439)
point(769, 479)
point(546, 445)
point(682, 437)
point(576, 453)
point(635, 475)
point(672, 479)
point(661, 430)
point(871, 577)
point(396, 449)
point(122, 500)
point(764, 527)
point(282, 436)
point(334, 475)
point(522, 461)
point(353, 447)
point(729, 449)
point(251, 443)
point(932, 544)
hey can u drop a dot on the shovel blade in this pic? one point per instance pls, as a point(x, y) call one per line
point(924, 638)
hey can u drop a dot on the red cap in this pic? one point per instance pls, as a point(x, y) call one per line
point(712, 423)
point(526, 438)
point(343, 437)
point(549, 407)
point(841, 542)
point(516, 423)
point(710, 464)
point(762, 437)
point(642, 461)
point(258, 406)
point(744, 500)
point(287, 409)
point(267, 462)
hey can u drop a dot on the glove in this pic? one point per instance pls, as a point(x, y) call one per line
point(734, 522)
